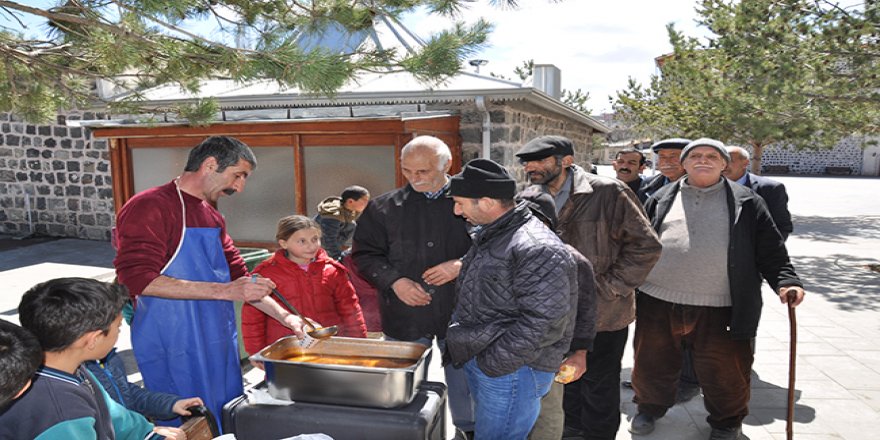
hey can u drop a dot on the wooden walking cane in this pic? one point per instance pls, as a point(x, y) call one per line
point(792, 355)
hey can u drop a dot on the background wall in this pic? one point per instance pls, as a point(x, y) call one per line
point(60, 173)
point(846, 154)
point(513, 124)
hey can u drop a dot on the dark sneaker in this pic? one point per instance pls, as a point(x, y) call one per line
point(684, 394)
point(626, 384)
point(734, 433)
point(642, 424)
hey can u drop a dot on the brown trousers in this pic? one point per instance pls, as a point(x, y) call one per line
point(723, 365)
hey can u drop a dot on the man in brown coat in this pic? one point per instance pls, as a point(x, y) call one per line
point(603, 219)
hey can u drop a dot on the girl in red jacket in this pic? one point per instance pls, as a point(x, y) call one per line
point(313, 282)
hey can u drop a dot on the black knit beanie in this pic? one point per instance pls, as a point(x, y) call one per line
point(483, 178)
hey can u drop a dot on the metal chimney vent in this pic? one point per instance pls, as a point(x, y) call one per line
point(548, 79)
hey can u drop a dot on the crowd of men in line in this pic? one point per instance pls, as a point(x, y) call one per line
point(693, 257)
point(529, 295)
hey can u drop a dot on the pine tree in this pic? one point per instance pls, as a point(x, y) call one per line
point(802, 72)
point(141, 43)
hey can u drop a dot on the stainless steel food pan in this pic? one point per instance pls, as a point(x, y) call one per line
point(344, 384)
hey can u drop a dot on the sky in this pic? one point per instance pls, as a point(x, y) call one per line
point(596, 44)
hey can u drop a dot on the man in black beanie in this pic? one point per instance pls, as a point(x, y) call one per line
point(517, 299)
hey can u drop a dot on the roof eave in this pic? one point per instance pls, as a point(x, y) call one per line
point(528, 94)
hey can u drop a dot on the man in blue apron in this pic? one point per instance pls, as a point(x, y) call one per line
point(184, 273)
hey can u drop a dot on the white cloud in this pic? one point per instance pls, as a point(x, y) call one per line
point(597, 45)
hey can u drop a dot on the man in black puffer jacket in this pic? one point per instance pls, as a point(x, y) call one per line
point(514, 318)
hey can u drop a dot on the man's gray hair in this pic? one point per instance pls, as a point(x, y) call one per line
point(742, 151)
point(437, 146)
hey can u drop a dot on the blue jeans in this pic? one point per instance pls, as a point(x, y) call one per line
point(461, 403)
point(506, 406)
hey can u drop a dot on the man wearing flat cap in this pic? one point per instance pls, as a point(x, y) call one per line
point(603, 220)
point(517, 298)
point(668, 152)
point(719, 241)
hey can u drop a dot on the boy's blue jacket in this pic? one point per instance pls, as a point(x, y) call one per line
point(110, 372)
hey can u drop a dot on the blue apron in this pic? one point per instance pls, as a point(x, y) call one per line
point(190, 347)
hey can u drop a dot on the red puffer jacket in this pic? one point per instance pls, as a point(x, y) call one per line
point(323, 293)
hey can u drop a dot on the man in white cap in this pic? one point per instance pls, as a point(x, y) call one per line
point(719, 241)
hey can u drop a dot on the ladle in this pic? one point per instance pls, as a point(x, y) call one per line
point(317, 333)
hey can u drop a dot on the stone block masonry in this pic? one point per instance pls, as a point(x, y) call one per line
point(513, 124)
point(54, 180)
point(846, 155)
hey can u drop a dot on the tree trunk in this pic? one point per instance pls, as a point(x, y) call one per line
point(757, 152)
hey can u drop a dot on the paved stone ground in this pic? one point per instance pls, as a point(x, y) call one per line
point(835, 245)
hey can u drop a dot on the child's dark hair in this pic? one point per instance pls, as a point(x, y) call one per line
point(353, 192)
point(60, 311)
point(287, 226)
point(20, 356)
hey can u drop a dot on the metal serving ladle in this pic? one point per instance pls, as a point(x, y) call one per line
point(315, 332)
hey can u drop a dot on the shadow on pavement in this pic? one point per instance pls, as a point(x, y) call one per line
point(847, 281)
point(837, 229)
point(16, 253)
point(770, 403)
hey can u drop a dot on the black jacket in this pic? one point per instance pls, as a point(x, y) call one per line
point(756, 250)
point(774, 194)
point(517, 298)
point(650, 186)
point(401, 234)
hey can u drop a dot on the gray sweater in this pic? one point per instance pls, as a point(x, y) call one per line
point(692, 268)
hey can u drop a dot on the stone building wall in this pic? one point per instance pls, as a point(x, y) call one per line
point(846, 154)
point(60, 173)
point(513, 124)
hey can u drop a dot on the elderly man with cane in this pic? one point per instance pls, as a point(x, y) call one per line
point(719, 241)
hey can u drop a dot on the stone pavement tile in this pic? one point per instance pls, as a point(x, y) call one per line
point(833, 331)
point(863, 324)
point(768, 375)
point(816, 348)
point(854, 344)
point(819, 389)
point(846, 372)
point(870, 397)
point(852, 419)
point(868, 358)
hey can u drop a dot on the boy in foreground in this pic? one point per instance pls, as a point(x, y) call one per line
point(75, 320)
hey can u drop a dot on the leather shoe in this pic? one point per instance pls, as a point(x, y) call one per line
point(642, 424)
point(734, 433)
point(684, 394)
